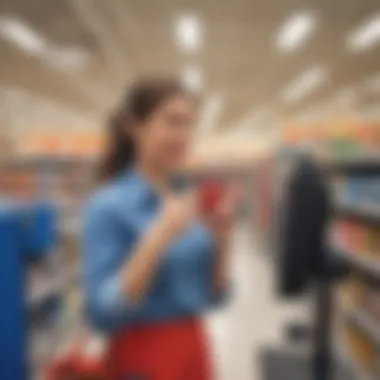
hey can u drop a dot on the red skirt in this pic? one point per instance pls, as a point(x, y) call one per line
point(166, 351)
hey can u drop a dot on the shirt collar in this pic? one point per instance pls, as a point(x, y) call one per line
point(145, 191)
point(141, 187)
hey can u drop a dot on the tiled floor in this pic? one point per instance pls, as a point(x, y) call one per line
point(253, 318)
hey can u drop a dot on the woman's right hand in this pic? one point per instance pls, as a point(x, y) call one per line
point(176, 214)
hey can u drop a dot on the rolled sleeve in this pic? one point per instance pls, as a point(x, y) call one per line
point(112, 300)
point(104, 250)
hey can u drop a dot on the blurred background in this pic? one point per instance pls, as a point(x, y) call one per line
point(276, 78)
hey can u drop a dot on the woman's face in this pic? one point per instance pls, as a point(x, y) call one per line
point(165, 136)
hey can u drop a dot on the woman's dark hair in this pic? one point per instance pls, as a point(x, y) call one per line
point(141, 100)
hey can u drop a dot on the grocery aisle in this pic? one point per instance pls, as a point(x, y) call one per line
point(254, 317)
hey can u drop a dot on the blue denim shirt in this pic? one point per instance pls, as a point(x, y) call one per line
point(115, 219)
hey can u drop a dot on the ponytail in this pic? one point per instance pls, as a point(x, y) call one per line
point(120, 150)
point(141, 101)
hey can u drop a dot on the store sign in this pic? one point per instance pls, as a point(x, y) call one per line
point(80, 144)
point(295, 133)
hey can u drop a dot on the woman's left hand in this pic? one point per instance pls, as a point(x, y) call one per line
point(220, 221)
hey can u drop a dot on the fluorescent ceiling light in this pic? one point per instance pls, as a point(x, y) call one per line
point(68, 58)
point(365, 36)
point(305, 84)
point(296, 30)
point(22, 35)
point(192, 77)
point(31, 42)
point(188, 32)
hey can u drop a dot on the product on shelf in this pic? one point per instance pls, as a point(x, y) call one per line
point(357, 238)
point(373, 237)
point(53, 299)
point(371, 303)
point(353, 292)
point(360, 347)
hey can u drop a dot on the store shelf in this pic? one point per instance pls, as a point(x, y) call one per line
point(52, 288)
point(363, 214)
point(351, 364)
point(361, 265)
point(365, 322)
point(35, 161)
point(357, 166)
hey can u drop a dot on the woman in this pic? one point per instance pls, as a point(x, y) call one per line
point(151, 267)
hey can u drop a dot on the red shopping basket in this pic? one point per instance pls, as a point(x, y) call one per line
point(82, 360)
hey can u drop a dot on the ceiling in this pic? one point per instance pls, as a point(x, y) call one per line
point(122, 39)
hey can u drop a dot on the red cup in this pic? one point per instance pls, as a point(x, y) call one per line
point(211, 193)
